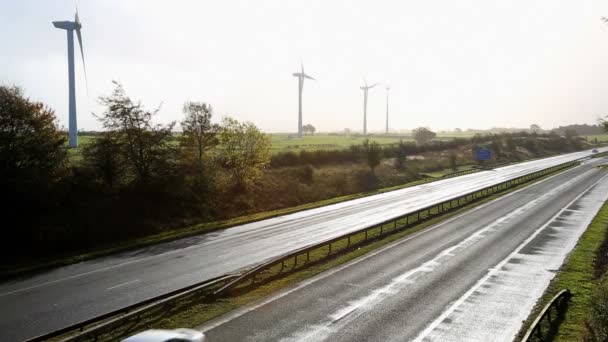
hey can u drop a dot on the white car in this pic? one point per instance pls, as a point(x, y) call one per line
point(158, 335)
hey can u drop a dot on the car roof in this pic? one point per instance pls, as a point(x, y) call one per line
point(156, 336)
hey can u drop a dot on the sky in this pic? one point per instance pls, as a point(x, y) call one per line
point(466, 64)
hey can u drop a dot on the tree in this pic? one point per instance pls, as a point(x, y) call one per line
point(570, 134)
point(373, 154)
point(309, 129)
point(604, 123)
point(401, 156)
point(423, 135)
point(534, 128)
point(32, 151)
point(199, 134)
point(103, 156)
point(245, 150)
point(146, 147)
point(453, 158)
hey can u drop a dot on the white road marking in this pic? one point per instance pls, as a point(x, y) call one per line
point(123, 284)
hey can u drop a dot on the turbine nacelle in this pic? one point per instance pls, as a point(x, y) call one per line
point(67, 25)
point(366, 87)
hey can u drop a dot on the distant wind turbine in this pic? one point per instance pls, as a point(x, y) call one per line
point(70, 27)
point(301, 76)
point(387, 89)
point(366, 89)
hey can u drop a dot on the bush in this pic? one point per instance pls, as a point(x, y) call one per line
point(366, 181)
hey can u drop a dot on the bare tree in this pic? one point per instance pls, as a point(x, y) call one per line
point(146, 146)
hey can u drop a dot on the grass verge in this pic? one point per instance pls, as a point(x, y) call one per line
point(578, 275)
point(198, 313)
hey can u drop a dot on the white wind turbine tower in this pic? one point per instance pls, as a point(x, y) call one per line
point(387, 89)
point(301, 76)
point(70, 27)
point(366, 89)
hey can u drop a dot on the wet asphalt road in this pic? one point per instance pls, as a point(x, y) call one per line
point(395, 293)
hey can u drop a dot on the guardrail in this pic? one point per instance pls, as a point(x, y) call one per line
point(320, 251)
point(124, 321)
point(119, 322)
point(559, 303)
point(460, 173)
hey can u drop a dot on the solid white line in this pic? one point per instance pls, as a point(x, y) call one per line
point(239, 312)
point(123, 284)
point(496, 268)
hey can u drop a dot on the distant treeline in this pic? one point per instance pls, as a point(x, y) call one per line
point(579, 129)
point(501, 143)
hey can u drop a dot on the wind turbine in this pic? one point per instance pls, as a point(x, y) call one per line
point(301, 76)
point(387, 89)
point(366, 89)
point(70, 27)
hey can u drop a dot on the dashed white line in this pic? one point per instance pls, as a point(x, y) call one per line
point(123, 284)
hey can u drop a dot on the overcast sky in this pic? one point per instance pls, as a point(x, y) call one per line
point(466, 64)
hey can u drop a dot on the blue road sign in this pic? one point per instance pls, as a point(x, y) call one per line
point(483, 154)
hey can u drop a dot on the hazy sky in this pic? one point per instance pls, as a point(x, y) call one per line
point(450, 63)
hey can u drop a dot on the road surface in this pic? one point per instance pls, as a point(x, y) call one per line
point(38, 304)
point(474, 277)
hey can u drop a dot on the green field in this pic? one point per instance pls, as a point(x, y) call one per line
point(283, 142)
point(600, 137)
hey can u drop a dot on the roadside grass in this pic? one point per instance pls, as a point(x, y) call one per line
point(600, 137)
point(578, 275)
point(196, 314)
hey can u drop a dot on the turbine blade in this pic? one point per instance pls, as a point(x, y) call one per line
point(373, 85)
point(84, 66)
point(309, 77)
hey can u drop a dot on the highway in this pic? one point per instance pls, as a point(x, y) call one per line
point(50, 300)
point(474, 277)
